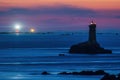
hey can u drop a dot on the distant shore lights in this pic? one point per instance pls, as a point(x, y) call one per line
point(32, 30)
point(17, 28)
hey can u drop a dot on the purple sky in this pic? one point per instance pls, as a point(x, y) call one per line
point(58, 18)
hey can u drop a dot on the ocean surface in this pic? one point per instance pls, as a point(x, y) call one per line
point(26, 56)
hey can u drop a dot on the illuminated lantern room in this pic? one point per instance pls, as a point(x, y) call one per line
point(93, 23)
point(92, 32)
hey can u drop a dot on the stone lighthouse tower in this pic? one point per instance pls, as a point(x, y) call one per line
point(92, 32)
point(91, 46)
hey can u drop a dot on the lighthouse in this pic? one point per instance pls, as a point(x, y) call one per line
point(92, 32)
point(91, 46)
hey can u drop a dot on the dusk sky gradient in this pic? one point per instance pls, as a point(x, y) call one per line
point(60, 15)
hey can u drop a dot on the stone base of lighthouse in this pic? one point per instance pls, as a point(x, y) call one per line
point(89, 48)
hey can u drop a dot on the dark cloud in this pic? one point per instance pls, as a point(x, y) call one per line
point(118, 17)
point(61, 10)
point(114, 14)
point(55, 18)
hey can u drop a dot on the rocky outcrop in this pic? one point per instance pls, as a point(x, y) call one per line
point(111, 77)
point(99, 72)
point(45, 73)
point(87, 47)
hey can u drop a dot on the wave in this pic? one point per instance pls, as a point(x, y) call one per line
point(65, 62)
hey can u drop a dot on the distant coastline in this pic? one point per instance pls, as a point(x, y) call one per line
point(19, 33)
point(116, 33)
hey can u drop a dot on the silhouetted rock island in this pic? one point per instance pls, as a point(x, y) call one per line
point(91, 46)
point(98, 72)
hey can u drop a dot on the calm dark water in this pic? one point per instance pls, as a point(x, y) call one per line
point(25, 54)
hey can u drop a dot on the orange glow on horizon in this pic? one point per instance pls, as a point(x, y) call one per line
point(94, 4)
point(32, 30)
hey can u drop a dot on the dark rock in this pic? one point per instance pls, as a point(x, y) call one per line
point(109, 77)
point(86, 73)
point(118, 76)
point(89, 48)
point(75, 73)
point(99, 72)
point(45, 73)
point(61, 54)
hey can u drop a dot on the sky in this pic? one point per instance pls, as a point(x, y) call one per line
point(60, 15)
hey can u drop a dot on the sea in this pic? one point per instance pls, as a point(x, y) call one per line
point(24, 56)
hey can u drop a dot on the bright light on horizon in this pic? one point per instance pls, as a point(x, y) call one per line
point(32, 30)
point(17, 27)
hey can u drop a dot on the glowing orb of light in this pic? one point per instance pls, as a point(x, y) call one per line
point(32, 30)
point(17, 27)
